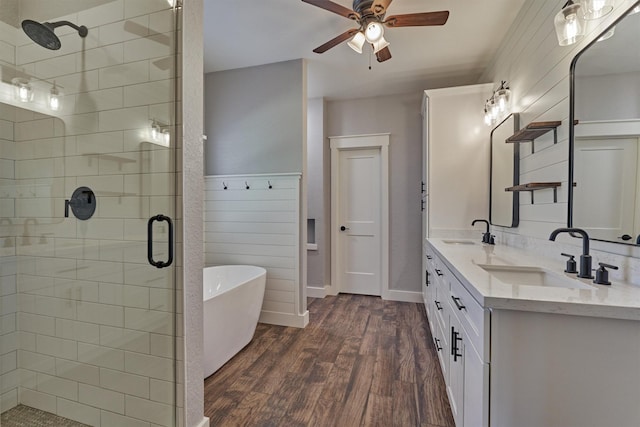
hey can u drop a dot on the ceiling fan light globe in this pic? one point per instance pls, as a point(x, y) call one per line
point(374, 32)
point(357, 42)
point(379, 45)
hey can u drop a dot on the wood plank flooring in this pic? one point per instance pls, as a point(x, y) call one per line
point(361, 361)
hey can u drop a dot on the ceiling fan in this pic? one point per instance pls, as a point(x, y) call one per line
point(370, 16)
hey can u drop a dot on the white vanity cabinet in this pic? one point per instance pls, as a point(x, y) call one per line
point(528, 356)
point(458, 326)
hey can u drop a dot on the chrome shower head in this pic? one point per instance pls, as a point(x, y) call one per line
point(44, 35)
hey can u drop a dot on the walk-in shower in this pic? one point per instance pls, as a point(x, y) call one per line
point(87, 324)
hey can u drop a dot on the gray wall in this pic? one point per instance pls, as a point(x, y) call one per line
point(398, 115)
point(318, 192)
point(254, 119)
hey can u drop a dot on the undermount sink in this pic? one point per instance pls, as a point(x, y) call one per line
point(458, 242)
point(532, 276)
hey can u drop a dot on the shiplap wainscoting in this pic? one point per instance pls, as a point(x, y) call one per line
point(259, 226)
point(537, 70)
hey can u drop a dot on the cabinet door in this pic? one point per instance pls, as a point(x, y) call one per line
point(476, 388)
point(455, 385)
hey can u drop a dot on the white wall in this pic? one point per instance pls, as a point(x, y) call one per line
point(254, 119)
point(537, 69)
point(400, 116)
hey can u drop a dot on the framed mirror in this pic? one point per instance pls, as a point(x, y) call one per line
point(505, 172)
point(604, 146)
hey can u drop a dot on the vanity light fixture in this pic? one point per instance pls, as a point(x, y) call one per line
point(499, 105)
point(159, 134)
point(596, 9)
point(503, 97)
point(54, 100)
point(23, 91)
point(569, 23)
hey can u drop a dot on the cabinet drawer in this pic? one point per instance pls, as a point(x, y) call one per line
point(471, 315)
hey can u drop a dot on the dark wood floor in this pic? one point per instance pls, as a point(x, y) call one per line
point(361, 361)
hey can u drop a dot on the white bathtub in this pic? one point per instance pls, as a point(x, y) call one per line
point(232, 300)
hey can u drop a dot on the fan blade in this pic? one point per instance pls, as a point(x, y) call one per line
point(383, 54)
point(336, 41)
point(379, 7)
point(335, 8)
point(418, 19)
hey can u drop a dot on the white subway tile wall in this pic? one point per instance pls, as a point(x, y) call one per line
point(86, 324)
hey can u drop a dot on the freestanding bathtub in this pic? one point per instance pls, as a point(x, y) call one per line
point(232, 300)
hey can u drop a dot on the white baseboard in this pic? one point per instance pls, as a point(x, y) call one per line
point(317, 292)
point(203, 423)
point(284, 319)
point(403, 296)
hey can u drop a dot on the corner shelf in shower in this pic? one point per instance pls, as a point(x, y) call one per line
point(533, 186)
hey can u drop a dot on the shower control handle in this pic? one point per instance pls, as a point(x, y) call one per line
point(169, 261)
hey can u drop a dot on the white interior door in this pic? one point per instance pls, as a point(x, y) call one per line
point(605, 193)
point(359, 221)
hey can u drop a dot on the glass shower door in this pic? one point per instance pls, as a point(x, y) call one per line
point(87, 208)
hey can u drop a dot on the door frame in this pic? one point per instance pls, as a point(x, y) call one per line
point(337, 144)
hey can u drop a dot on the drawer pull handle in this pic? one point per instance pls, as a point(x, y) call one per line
point(438, 306)
point(439, 272)
point(438, 346)
point(458, 303)
point(455, 337)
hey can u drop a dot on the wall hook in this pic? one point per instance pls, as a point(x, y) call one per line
point(224, 185)
point(246, 185)
point(270, 186)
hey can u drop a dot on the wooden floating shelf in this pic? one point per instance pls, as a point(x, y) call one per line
point(533, 186)
point(535, 130)
point(532, 131)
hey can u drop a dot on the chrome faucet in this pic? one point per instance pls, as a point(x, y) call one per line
point(585, 258)
point(486, 236)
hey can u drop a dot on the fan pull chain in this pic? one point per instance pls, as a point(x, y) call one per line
point(370, 58)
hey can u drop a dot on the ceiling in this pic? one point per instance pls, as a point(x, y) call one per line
point(244, 33)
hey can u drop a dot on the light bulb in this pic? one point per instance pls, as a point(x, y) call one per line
point(569, 25)
point(55, 99)
point(155, 132)
point(166, 137)
point(487, 117)
point(23, 91)
point(503, 96)
point(374, 32)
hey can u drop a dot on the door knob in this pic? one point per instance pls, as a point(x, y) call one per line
point(343, 228)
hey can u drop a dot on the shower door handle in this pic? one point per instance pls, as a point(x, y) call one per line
point(159, 264)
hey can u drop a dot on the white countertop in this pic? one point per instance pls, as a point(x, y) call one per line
point(618, 300)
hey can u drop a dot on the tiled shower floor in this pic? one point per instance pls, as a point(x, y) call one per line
point(25, 416)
